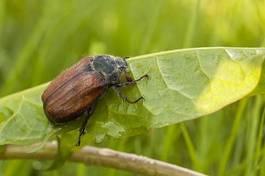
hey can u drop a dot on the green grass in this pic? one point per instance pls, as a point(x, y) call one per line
point(38, 39)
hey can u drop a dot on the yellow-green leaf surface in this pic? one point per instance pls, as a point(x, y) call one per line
point(183, 85)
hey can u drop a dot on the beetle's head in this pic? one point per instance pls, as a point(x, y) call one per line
point(120, 68)
point(121, 64)
point(111, 67)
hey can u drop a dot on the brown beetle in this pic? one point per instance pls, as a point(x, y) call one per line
point(76, 90)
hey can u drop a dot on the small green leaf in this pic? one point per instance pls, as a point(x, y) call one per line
point(183, 85)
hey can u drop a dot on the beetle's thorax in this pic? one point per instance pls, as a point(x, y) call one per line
point(110, 67)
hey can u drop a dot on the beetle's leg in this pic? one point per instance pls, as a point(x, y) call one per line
point(124, 97)
point(130, 81)
point(82, 129)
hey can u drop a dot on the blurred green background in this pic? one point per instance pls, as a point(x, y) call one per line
point(39, 38)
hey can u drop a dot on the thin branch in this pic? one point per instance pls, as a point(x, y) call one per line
point(103, 157)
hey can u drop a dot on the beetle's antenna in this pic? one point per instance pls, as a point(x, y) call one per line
point(124, 59)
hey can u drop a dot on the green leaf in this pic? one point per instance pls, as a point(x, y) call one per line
point(190, 83)
point(183, 85)
point(25, 121)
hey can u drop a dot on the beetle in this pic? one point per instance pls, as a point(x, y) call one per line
point(77, 90)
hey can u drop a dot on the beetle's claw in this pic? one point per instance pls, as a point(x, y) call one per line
point(147, 76)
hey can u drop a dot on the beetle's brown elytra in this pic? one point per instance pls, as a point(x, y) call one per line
point(77, 89)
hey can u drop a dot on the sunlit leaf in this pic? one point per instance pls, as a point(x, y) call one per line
point(183, 85)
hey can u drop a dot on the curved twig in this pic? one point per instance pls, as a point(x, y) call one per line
point(103, 157)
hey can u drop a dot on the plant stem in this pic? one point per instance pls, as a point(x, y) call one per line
point(102, 157)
